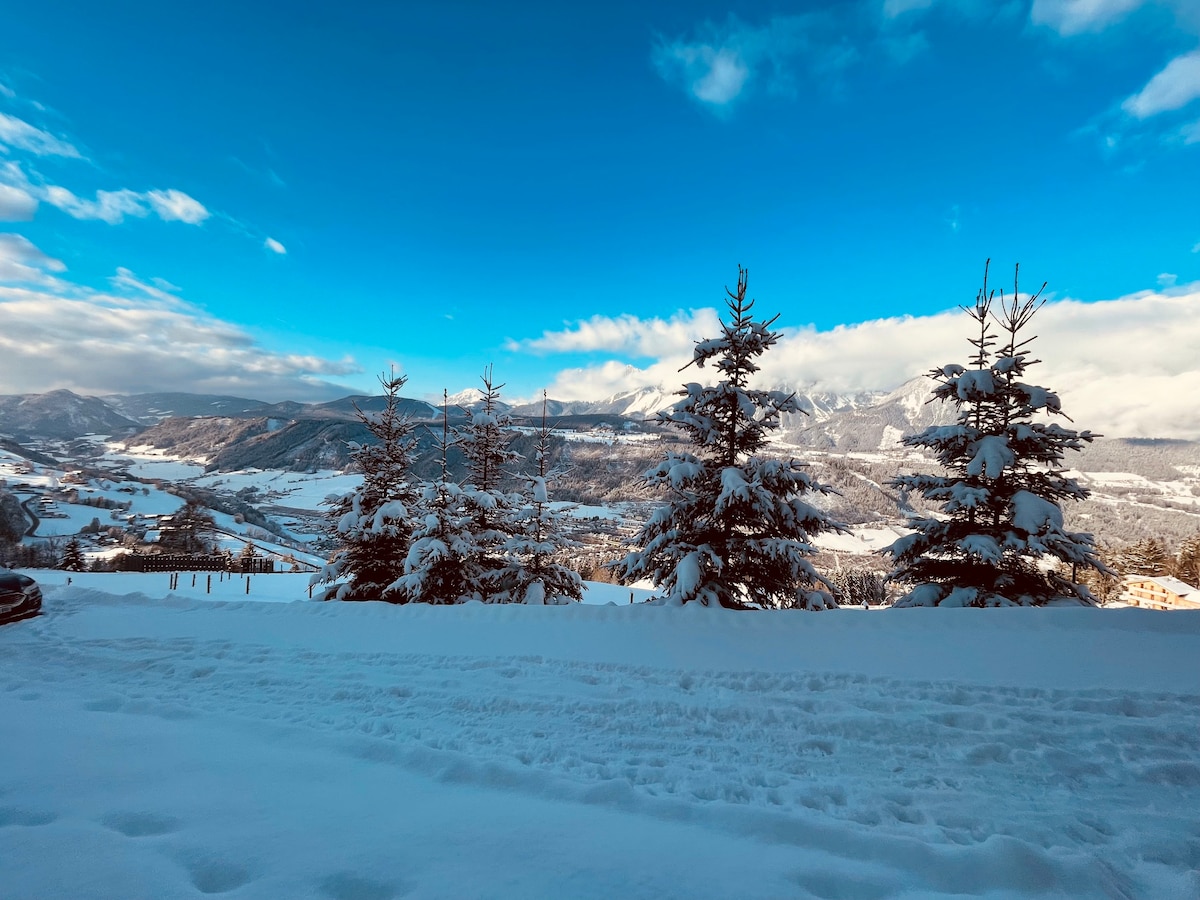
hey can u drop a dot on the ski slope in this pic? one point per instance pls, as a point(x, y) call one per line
point(162, 746)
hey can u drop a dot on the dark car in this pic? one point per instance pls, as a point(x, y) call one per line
point(20, 597)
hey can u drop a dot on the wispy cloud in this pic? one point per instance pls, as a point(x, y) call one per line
point(1070, 17)
point(720, 63)
point(626, 334)
point(23, 263)
point(22, 187)
point(113, 206)
point(1177, 85)
point(19, 134)
point(140, 336)
point(1107, 359)
point(274, 246)
point(16, 204)
point(894, 8)
point(176, 206)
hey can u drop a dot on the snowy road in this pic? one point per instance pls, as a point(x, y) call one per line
point(176, 748)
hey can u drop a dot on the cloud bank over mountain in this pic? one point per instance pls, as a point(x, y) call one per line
point(1128, 367)
point(1125, 367)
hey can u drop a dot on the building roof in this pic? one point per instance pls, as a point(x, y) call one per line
point(1170, 583)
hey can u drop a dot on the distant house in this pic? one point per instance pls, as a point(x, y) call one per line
point(1160, 592)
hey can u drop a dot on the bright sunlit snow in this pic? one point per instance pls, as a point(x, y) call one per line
point(162, 746)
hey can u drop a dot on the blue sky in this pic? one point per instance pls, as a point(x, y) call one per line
point(278, 200)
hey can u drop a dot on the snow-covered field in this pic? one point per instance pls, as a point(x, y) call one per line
point(175, 746)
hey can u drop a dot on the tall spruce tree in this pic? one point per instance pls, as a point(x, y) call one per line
point(189, 530)
point(1187, 562)
point(442, 565)
point(1001, 498)
point(483, 441)
point(532, 573)
point(372, 522)
point(735, 530)
point(1147, 557)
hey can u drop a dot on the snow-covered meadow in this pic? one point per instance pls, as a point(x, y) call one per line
point(161, 746)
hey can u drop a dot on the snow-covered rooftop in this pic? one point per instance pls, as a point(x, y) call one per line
point(1168, 582)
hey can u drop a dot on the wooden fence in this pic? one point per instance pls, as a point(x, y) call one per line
point(180, 562)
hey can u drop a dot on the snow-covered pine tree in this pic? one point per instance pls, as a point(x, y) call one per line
point(442, 563)
point(72, 557)
point(1005, 483)
point(735, 530)
point(372, 523)
point(1187, 562)
point(1149, 557)
point(483, 441)
point(532, 574)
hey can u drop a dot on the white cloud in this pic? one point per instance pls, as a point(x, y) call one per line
point(1177, 85)
point(113, 206)
point(713, 75)
point(137, 337)
point(18, 248)
point(718, 65)
point(159, 289)
point(1191, 133)
point(23, 263)
point(274, 246)
point(1070, 17)
point(176, 206)
point(1167, 280)
point(16, 204)
point(109, 206)
point(1126, 367)
point(894, 8)
point(1196, 247)
point(20, 135)
point(724, 73)
point(627, 334)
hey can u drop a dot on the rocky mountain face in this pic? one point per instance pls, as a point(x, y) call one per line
point(877, 424)
point(60, 415)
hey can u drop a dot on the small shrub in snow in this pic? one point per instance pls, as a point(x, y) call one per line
point(1000, 502)
point(735, 530)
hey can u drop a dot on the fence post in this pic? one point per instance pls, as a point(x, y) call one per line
point(247, 584)
point(208, 587)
